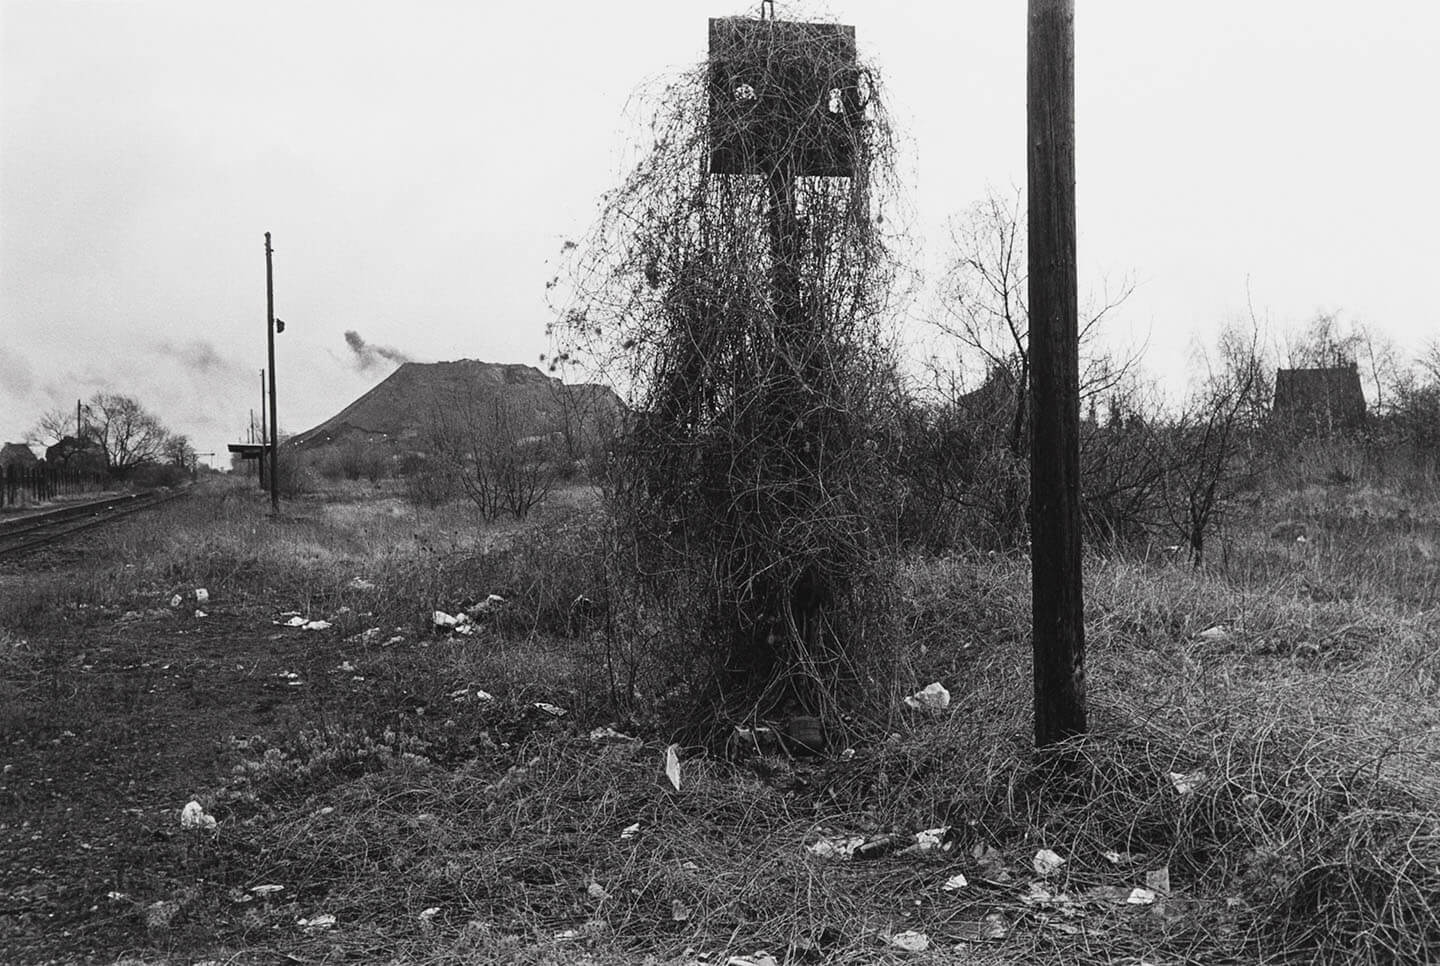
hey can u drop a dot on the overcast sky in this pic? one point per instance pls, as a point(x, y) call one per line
point(421, 163)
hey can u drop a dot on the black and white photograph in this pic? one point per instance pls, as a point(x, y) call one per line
point(792, 483)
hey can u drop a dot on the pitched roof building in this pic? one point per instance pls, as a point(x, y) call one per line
point(1323, 401)
point(16, 454)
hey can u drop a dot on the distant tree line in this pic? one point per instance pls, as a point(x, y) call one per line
point(116, 435)
point(1157, 466)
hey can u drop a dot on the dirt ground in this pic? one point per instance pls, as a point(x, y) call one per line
point(109, 733)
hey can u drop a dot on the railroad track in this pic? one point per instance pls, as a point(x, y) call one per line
point(42, 529)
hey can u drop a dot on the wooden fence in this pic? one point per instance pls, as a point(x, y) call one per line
point(32, 484)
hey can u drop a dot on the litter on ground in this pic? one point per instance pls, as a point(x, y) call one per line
point(932, 697)
point(194, 816)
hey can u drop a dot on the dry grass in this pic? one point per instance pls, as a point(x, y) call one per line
point(1306, 735)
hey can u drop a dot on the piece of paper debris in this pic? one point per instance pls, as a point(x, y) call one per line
point(630, 831)
point(430, 913)
point(672, 765)
point(991, 927)
point(1186, 783)
point(202, 596)
point(193, 816)
point(1046, 862)
point(550, 709)
point(1158, 880)
point(836, 846)
point(955, 883)
point(758, 958)
point(932, 697)
point(1141, 897)
point(910, 941)
point(608, 733)
point(932, 838)
point(324, 921)
point(1037, 895)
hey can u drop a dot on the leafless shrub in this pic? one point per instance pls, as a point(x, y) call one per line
point(293, 475)
point(426, 480)
point(353, 459)
point(480, 442)
point(968, 442)
point(1209, 455)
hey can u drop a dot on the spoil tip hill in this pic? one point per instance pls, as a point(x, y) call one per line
point(400, 412)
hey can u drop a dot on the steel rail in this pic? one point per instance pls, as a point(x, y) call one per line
point(38, 530)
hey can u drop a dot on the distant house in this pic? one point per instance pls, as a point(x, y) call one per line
point(76, 454)
point(1323, 401)
point(16, 454)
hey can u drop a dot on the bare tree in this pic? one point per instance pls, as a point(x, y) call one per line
point(127, 433)
point(1416, 400)
point(52, 427)
point(177, 451)
point(984, 309)
point(1245, 365)
point(1326, 342)
point(984, 295)
point(1379, 358)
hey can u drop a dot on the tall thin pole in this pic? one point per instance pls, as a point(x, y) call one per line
point(264, 435)
point(270, 342)
point(1056, 589)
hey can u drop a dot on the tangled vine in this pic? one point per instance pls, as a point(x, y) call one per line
point(736, 285)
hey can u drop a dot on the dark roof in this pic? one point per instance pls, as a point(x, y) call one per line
point(17, 454)
point(1322, 399)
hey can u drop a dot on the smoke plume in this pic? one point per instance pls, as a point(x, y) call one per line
point(196, 355)
point(369, 356)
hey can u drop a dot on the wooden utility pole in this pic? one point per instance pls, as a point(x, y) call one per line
point(270, 342)
point(1056, 588)
point(264, 432)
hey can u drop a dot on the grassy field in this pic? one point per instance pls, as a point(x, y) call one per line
point(1261, 783)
